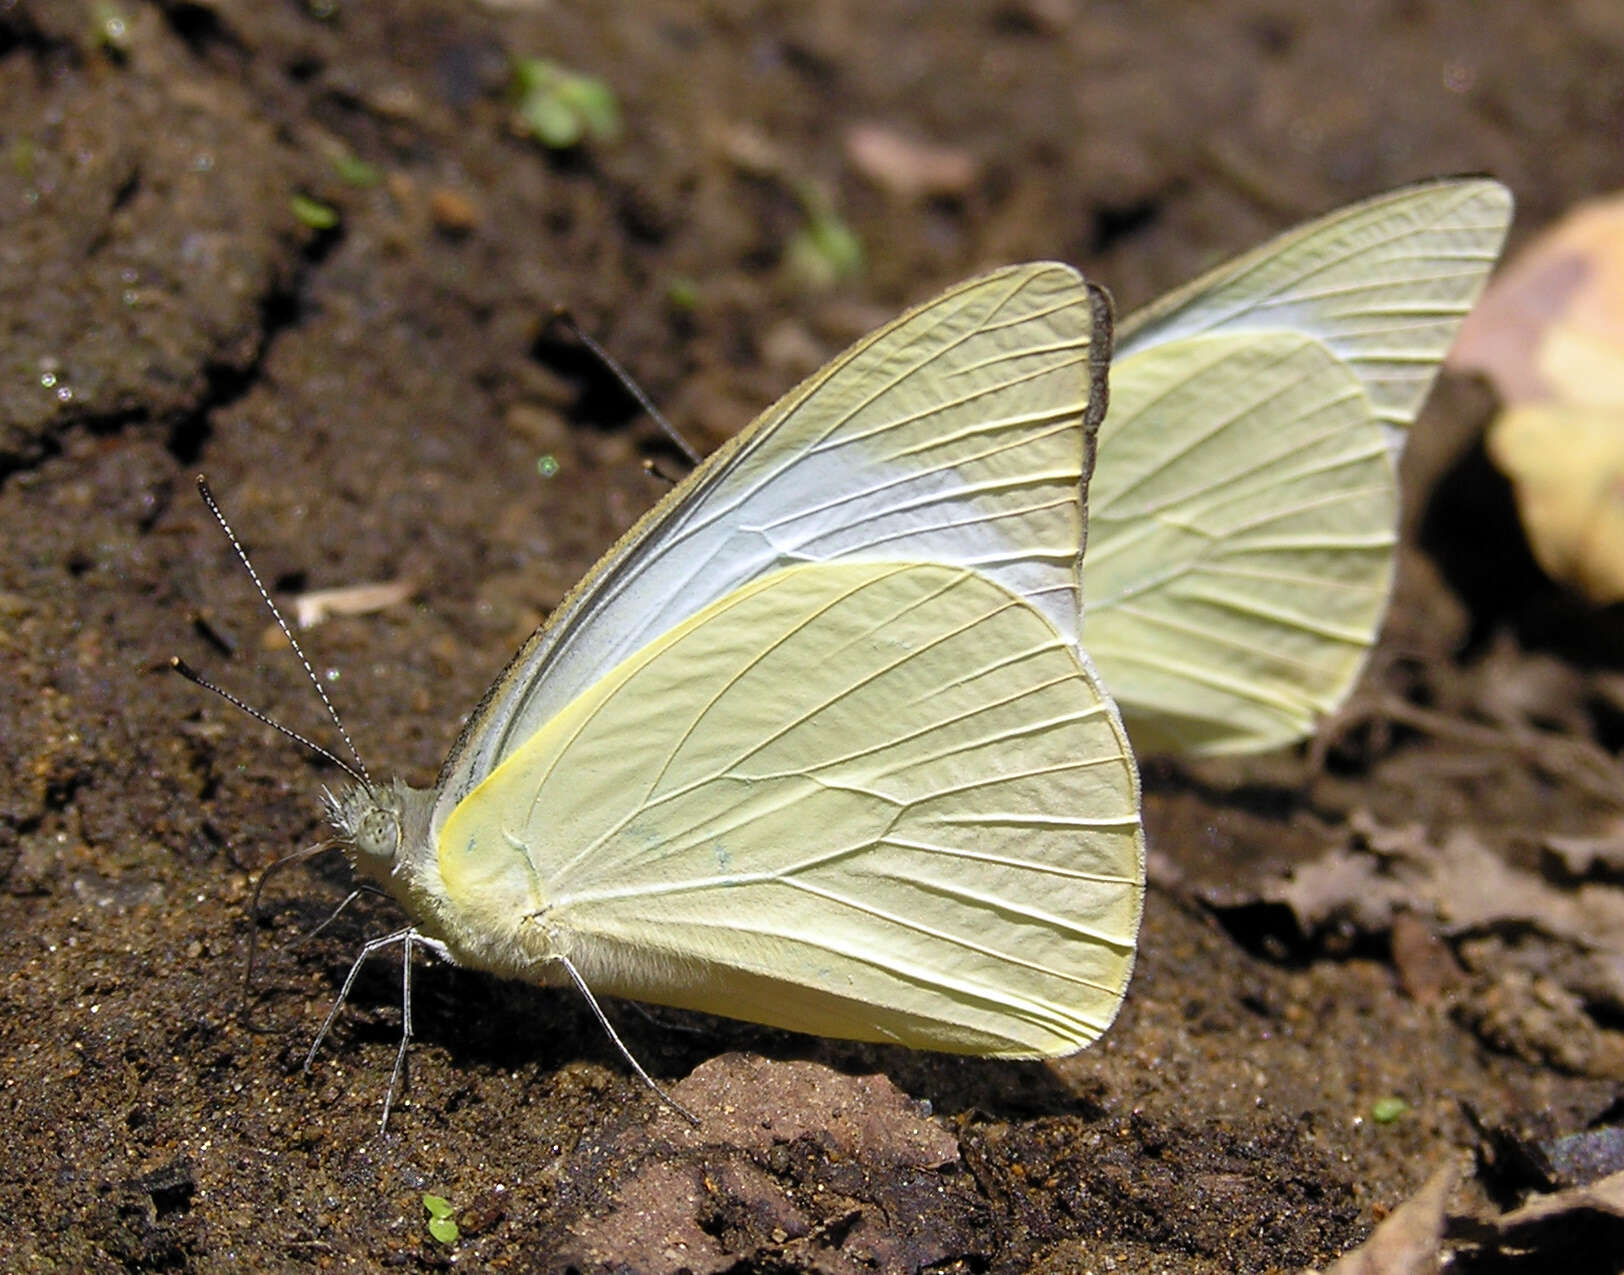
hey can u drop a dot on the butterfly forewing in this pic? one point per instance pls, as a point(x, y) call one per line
point(1384, 284)
point(960, 434)
point(877, 801)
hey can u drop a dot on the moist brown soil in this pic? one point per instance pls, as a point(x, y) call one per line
point(370, 400)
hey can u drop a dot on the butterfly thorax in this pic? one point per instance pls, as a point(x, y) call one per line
point(492, 922)
point(385, 831)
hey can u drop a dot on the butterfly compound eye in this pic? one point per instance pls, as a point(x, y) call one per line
point(377, 835)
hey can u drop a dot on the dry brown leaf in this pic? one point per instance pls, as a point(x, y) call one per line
point(1549, 334)
point(1461, 884)
point(812, 1169)
point(1606, 1196)
point(1583, 1224)
point(1530, 1000)
point(1570, 280)
point(1409, 1240)
point(1598, 855)
point(1581, 1228)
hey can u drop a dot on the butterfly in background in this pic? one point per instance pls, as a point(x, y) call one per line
point(1244, 510)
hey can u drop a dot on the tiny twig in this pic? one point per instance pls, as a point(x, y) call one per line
point(1564, 760)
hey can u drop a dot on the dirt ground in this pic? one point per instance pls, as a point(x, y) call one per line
point(1359, 963)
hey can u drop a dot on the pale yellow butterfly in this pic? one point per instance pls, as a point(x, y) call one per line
point(1244, 511)
point(814, 744)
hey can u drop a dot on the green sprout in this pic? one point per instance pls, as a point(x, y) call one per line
point(354, 171)
point(561, 108)
point(825, 251)
point(110, 29)
point(682, 293)
point(1387, 1110)
point(441, 1225)
point(314, 213)
point(22, 155)
point(547, 465)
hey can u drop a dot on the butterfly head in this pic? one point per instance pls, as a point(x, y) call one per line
point(376, 823)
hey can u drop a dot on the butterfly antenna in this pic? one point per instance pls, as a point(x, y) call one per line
point(359, 771)
point(197, 679)
point(562, 315)
point(603, 1021)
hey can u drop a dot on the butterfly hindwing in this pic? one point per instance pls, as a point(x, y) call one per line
point(1242, 517)
point(876, 801)
point(1243, 537)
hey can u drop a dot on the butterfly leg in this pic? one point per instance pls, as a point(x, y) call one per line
point(603, 1021)
point(435, 948)
point(367, 949)
point(337, 912)
point(407, 939)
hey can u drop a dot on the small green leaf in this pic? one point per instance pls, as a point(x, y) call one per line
point(825, 251)
point(441, 1227)
point(353, 171)
point(530, 74)
point(682, 293)
point(314, 213)
point(1387, 1110)
point(438, 1206)
point(594, 102)
point(551, 121)
point(561, 108)
point(547, 466)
